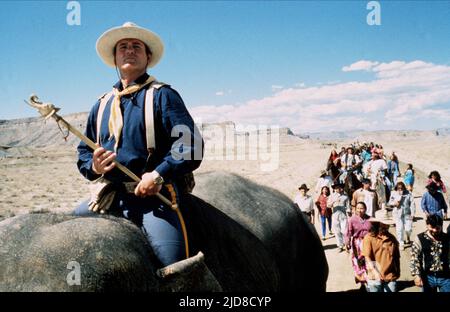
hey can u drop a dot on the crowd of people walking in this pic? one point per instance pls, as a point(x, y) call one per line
point(362, 193)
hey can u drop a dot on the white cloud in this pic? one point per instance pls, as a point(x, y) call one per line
point(400, 93)
point(360, 65)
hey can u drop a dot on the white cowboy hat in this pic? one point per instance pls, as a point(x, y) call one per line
point(108, 40)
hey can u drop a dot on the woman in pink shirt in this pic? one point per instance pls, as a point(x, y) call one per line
point(358, 227)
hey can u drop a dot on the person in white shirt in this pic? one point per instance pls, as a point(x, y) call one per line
point(340, 205)
point(350, 162)
point(324, 180)
point(305, 203)
point(350, 159)
point(375, 167)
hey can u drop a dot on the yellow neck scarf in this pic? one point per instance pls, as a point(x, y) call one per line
point(115, 118)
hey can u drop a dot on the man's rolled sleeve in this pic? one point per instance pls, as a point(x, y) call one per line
point(164, 169)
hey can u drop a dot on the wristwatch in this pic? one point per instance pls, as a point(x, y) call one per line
point(159, 180)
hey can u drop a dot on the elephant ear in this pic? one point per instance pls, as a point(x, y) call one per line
point(189, 275)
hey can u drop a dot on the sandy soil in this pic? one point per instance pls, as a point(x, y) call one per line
point(47, 179)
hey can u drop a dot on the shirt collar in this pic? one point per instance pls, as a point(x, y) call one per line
point(438, 239)
point(141, 79)
point(363, 218)
point(383, 237)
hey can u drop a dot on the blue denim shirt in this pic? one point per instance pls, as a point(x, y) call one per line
point(433, 204)
point(170, 159)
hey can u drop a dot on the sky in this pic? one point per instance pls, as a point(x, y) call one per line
point(308, 65)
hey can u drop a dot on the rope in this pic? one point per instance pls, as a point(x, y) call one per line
point(175, 207)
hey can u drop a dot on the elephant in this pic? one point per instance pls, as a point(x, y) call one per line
point(244, 237)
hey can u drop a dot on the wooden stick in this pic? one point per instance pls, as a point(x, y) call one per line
point(92, 145)
point(49, 110)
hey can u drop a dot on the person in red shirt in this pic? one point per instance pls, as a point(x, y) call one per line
point(324, 211)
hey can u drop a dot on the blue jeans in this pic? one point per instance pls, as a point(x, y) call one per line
point(159, 223)
point(432, 283)
point(381, 286)
point(323, 220)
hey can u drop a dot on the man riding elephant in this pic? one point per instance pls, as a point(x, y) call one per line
point(138, 124)
point(251, 236)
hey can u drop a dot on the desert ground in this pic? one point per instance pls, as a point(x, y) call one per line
point(44, 177)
